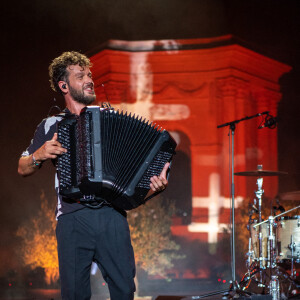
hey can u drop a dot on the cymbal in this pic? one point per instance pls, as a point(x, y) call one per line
point(290, 196)
point(260, 173)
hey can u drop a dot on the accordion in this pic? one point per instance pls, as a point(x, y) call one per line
point(111, 157)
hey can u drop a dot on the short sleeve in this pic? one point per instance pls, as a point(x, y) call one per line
point(44, 132)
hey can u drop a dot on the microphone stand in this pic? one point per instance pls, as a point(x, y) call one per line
point(232, 126)
point(235, 287)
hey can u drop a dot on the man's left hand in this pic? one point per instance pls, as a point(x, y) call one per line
point(159, 183)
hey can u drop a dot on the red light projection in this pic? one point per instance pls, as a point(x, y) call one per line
point(189, 87)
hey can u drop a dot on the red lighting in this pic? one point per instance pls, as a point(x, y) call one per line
point(10, 284)
point(103, 283)
point(30, 283)
point(172, 92)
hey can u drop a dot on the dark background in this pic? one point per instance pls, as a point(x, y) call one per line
point(35, 32)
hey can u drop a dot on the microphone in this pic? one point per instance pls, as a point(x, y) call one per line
point(270, 122)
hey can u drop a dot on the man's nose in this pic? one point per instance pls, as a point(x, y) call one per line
point(89, 80)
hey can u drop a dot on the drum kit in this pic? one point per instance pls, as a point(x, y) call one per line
point(272, 242)
point(274, 245)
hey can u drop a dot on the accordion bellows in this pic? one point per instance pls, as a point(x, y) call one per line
point(111, 156)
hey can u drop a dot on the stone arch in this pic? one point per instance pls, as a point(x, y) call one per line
point(180, 184)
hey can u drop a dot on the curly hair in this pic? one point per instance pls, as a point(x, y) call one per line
point(58, 68)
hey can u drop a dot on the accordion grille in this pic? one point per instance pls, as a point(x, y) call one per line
point(68, 176)
point(84, 146)
point(156, 165)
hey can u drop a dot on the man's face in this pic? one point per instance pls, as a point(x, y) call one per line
point(81, 84)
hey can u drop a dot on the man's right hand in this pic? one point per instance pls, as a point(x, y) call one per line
point(50, 150)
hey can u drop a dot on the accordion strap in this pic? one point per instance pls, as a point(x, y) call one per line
point(98, 203)
point(93, 202)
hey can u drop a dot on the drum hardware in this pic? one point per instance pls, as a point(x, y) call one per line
point(259, 193)
point(260, 257)
point(272, 267)
point(272, 246)
point(289, 249)
point(274, 282)
point(249, 277)
point(250, 254)
point(263, 245)
point(265, 256)
point(271, 255)
point(274, 287)
point(236, 288)
point(262, 266)
point(293, 248)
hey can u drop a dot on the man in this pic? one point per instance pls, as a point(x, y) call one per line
point(83, 234)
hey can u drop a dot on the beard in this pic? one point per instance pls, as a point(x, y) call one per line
point(80, 97)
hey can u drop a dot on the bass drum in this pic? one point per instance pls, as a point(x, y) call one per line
point(254, 232)
point(288, 239)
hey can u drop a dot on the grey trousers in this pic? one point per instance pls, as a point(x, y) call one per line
point(100, 235)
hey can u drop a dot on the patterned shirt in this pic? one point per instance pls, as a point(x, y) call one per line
point(44, 132)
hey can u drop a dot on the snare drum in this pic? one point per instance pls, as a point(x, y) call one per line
point(254, 231)
point(288, 232)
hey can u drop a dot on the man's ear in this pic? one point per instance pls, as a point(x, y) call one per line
point(63, 86)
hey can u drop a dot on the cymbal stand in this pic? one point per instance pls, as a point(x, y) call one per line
point(259, 194)
point(271, 244)
point(261, 260)
point(250, 254)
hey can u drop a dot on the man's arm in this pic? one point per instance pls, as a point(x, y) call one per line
point(49, 150)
